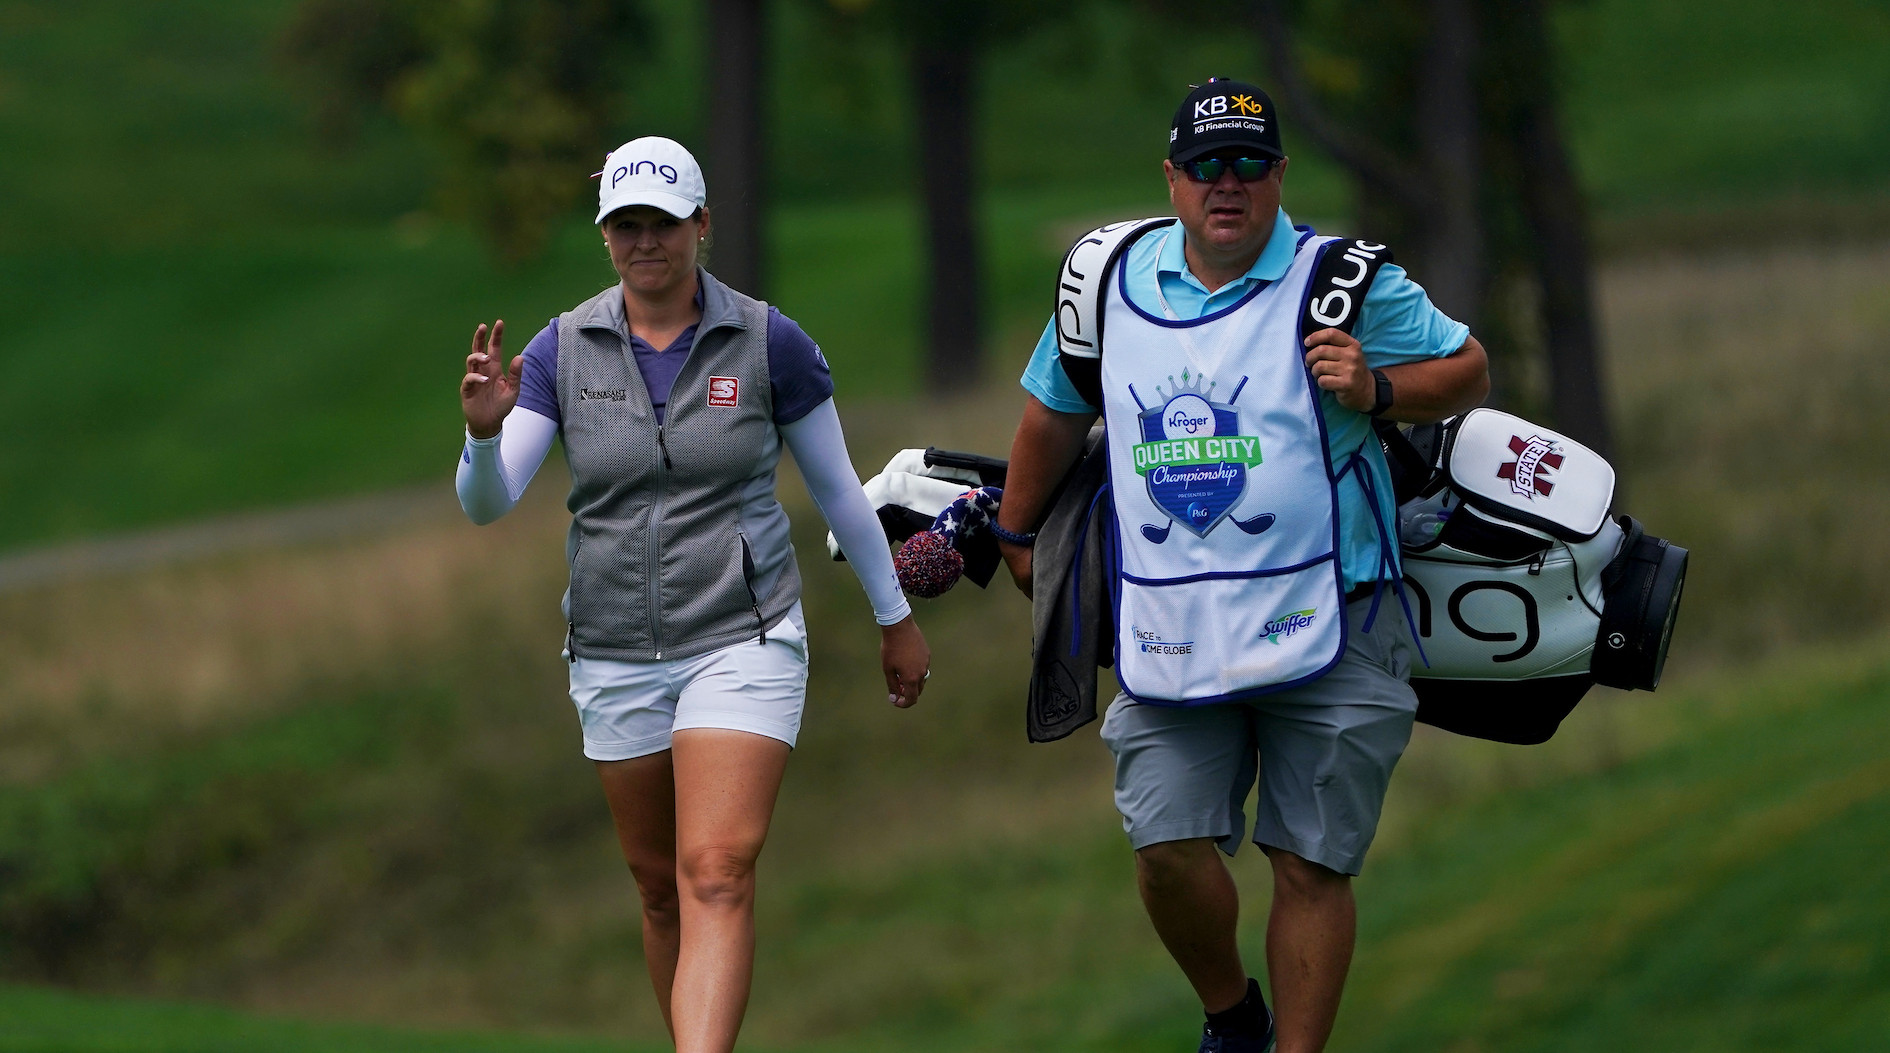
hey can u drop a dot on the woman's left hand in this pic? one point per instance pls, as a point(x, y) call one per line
point(906, 660)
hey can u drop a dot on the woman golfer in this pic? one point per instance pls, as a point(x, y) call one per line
point(674, 394)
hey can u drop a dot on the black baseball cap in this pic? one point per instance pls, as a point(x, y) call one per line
point(1224, 114)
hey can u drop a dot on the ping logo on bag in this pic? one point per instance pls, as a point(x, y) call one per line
point(724, 391)
point(1535, 456)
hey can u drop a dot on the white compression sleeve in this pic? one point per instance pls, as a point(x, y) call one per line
point(493, 472)
point(820, 449)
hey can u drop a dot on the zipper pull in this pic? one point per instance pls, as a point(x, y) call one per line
point(570, 641)
point(665, 448)
point(1535, 565)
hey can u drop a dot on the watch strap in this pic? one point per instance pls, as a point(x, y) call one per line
point(1383, 386)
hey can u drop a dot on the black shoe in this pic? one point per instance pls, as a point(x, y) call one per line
point(1251, 1040)
point(1213, 1043)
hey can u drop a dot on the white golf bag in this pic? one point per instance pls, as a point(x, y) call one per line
point(1524, 589)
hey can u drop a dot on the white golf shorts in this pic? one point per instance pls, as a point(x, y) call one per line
point(630, 709)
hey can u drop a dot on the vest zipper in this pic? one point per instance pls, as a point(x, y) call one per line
point(748, 579)
point(664, 446)
point(654, 563)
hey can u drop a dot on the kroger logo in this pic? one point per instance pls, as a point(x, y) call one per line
point(1288, 624)
point(1180, 422)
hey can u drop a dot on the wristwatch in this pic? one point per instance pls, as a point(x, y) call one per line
point(1383, 401)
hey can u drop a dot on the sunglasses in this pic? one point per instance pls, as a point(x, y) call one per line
point(1246, 169)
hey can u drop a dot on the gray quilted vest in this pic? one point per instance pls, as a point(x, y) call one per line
point(677, 544)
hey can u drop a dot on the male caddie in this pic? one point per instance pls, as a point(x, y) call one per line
point(1254, 555)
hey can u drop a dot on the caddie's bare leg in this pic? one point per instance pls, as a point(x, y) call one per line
point(1192, 900)
point(1309, 949)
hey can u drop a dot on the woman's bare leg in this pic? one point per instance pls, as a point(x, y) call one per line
point(642, 796)
point(726, 783)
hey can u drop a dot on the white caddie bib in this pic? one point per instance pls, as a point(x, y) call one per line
point(1226, 504)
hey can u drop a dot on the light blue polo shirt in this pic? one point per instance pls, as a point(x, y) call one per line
point(1397, 323)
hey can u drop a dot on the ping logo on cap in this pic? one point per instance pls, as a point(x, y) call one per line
point(637, 168)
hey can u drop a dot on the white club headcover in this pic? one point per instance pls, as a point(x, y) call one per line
point(923, 494)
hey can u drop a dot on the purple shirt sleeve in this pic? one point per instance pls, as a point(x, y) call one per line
point(538, 386)
point(797, 371)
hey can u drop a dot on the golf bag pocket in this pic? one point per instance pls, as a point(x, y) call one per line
point(1486, 619)
point(1642, 586)
point(1510, 641)
point(1214, 638)
point(1527, 476)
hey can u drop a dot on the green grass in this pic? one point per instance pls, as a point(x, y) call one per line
point(1684, 104)
point(1699, 869)
point(39, 1020)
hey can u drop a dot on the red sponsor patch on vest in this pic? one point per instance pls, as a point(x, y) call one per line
point(724, 391)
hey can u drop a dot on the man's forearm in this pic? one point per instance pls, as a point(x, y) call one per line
point(1045, 447)
point(1422, 392)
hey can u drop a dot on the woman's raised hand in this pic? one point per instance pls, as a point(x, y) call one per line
point(489, 390)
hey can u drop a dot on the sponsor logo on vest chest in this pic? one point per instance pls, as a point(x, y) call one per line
point(1288, 624)
point(601, 394)
point(1192, 456)
point(724, 391)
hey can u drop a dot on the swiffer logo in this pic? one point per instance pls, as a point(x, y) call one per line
point(1535, 457)
point(1288, 624)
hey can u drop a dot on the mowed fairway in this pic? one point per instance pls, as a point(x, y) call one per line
point(1724, 890)
point(1728, 892)
point(34, 1020)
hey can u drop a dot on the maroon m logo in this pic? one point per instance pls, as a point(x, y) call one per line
point(1535, 457)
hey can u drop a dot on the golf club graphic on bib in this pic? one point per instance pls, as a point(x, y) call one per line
point(1194, 459)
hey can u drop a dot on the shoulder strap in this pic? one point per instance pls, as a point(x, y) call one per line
point(1340, 281)
point(1080, 285)
point(1334, 300)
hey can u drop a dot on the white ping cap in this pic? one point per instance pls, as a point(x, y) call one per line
point(651, 171)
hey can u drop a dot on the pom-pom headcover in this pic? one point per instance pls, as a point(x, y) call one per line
point(928, 565)
point(930, 562)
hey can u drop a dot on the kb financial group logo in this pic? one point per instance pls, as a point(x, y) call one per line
point(1231, 111)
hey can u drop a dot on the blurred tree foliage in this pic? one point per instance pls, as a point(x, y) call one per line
point(944, 46)
point(1445, 113)
point(515, 95)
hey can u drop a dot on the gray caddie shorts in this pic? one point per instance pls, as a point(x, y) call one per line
point(1323, 752)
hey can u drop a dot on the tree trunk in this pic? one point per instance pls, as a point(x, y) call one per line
point(1557, 215)
point(943, 70)
point(737, 141)
point(1449, 131)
